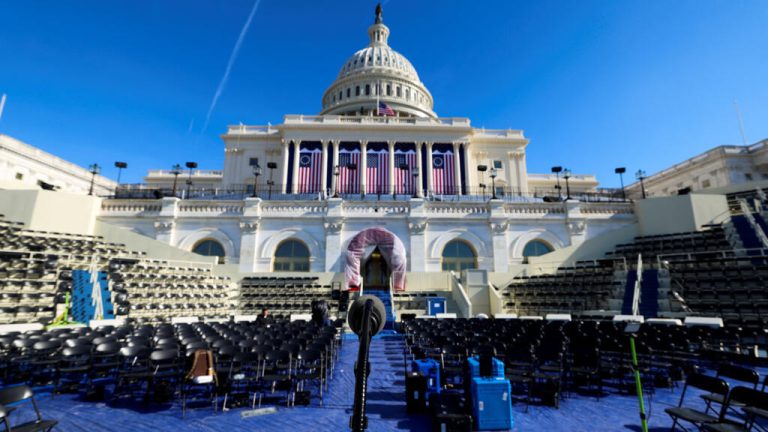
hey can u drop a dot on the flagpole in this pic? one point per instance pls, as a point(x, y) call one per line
point(378, 94)
point(2, 105)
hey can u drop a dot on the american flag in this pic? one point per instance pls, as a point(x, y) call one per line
point(376, 178)
point(349, 180)
point(385, 110)
point(310, 171)
point(404, 177)
point(443, 170)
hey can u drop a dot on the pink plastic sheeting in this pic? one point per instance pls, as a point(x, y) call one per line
point(392, 250)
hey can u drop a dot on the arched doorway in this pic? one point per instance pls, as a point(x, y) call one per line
point(375, 271)
point(361, 251)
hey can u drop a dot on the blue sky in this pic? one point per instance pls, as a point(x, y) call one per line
point(594, 84)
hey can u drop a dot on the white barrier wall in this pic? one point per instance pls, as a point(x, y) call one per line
point(673, 214)
point(51, 211)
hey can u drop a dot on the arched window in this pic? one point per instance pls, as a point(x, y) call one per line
point(210, 247)
point(458, 255)
point(292, 256)
point(536, 248)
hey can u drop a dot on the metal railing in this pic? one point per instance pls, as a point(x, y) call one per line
point(275, 192)
point(745, 254)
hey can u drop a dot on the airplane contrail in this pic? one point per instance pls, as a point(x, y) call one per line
point(232, 58)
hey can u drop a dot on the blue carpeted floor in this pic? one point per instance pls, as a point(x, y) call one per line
point(386, 407)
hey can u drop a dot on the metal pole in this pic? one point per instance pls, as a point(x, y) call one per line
point(638, 384)
point(359, 422)
point(623, 194)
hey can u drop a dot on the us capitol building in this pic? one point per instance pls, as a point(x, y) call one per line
point(377, 159)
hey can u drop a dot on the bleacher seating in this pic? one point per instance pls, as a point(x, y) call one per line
point(152, 289)
point(568, 290)
point(36, 273)
point(283, 295)
point(712, 240)
point(27, 287)
point(732, 287)
point(414, 301)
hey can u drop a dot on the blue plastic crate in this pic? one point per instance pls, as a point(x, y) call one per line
point(474, 367)
point(436, 305)
point(492, 404)
point(430, 368)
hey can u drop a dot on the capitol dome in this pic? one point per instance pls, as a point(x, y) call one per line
point(374, 74)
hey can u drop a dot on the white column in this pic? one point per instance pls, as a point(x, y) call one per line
point(429, 167)
point(470, 170)
point(324, 169)
point(522, 172)
point(392, 168)
point(295, 172)
point(334, 164)
point(286, 150)
point(363, 163)
point(419, 180)
point(457, 168)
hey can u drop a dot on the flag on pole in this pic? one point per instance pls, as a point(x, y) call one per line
point(443, 173)
point(2, 105)
point(638, 283)
point(386, 110)
point(404, 177)
point(349, 180)
point(377, 172)
point(310, 170)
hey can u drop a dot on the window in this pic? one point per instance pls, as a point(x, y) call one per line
point(367, 89)
point(399, 92)
point(389, 90)
point(210, 247)
point(349, 92)
point(706, 184)
point(253, 161)
point(458, 255)
point(748, 176)
point(497, 164)
point(408, 94)
point(19, 176)
point(357, 91)
point(535, 248)
point(292, 255)
point(341, 95)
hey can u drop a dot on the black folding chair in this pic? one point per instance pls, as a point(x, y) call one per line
point(736, 373)
point(309, 366)
point(276, 373)
point(75, 365)
point(754, 403)
point(706, 383)
point(24, 394)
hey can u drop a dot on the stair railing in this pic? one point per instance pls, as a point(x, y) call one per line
point(753, 223)
point(391, 283)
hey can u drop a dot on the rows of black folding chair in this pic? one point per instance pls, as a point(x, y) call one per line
point(545, 360)
point(239, 363)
